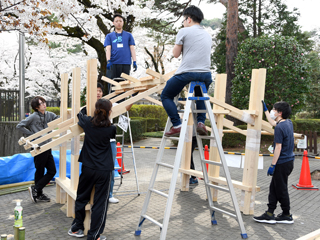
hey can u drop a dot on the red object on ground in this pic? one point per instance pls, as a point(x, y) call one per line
point(119, 159)
point(305, 176)
point(206, 155)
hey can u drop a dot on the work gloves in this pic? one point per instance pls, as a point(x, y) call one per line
point(134, 66)
point(109, 64)
point(264, 106)
point(271, 170)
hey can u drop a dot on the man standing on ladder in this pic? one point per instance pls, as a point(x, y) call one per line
point(195, 45)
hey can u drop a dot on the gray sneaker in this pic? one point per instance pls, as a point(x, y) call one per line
point(33, 194)
point(102, 238)
point(43, 198)
point(78, 233)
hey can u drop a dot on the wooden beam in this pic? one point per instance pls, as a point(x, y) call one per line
point(151, 99)
point(229, 124)
point(122, 96)
point(219, 180)
point(53, 125)
point(253, 141)
point(132, 79)
point(108, 80)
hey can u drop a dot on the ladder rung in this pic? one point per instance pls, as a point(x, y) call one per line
point(118, 157)
point(181, 111)
point(119, 135)
point(223, 211)
point(212, 162)
point(218, 187)
point(117, 168)
point(198, 98)
point(206, 137)
point(159, 192)
point(119, 146)
point(199, 111)
point(165, 165)
point(152, 220)
point(172, 138)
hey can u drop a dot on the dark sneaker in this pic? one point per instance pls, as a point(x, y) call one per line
point(265, 218)
point(78, 233)
point(201, 129)
point(33, 194)
point(193, 181)
point(43, 198)
point(174, 132)
point(287, 219)
point(102, 238)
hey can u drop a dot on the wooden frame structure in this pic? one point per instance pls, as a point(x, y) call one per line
point(68, 129)
point(154, 82)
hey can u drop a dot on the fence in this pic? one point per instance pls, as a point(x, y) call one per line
point(9, 105)
point(311, 141)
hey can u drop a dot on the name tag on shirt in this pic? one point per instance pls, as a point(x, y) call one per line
point(120, 45)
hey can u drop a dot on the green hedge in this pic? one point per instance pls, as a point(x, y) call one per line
point(138, 127)
point(306, 125)
point(55, 110)
point(150, 111)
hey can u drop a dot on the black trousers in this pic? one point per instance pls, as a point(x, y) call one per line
point(193, 146)
point(101, 180)
point(42, 161)
point(278, 191)
point(117, 69)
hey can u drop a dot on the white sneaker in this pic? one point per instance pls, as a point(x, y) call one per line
point(113, 200)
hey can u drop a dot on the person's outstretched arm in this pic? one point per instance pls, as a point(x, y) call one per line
point(266, 112)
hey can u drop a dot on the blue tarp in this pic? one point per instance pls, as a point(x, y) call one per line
point(20, 167)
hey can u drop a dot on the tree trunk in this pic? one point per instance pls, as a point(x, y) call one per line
point(259, 18)
point(254, 27)
point(231, 44)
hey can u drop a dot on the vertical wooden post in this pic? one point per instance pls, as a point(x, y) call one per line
point(92, 76)
point(220, 94)
point(60, 193)
point(253, 141)
point(186, 155)
point(75, 142)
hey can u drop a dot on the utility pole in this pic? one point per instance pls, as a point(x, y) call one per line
point(21, 76)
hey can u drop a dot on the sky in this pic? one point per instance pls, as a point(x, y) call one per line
point(309, 10)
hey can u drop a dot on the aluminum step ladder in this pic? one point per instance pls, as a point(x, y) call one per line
point(190, 106)
point(130, 154)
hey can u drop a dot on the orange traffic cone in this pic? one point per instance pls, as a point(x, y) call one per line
point(206, 155)
point(305, 176)
point(119, 158)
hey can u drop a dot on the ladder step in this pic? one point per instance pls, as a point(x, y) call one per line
point(166, 165)
point(159, 192)
point(172, 138)
point(199, 111)
point(206, 137)
point(121, 135)
point(212, 162)
point(198, 98)
point(118, 157)
point(218, 187)
point(152, 220)
point(223, 211)
point(117, 168)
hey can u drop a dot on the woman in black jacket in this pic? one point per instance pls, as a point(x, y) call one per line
point(97, 167)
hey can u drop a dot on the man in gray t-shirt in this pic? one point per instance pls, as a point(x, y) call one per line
point(195, 45)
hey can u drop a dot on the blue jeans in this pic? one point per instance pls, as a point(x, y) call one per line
point(175, 85)
point(114, 155)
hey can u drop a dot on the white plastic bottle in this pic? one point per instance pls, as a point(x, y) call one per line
point(18, 215)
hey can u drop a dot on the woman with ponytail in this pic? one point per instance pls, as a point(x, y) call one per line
point(97, 168)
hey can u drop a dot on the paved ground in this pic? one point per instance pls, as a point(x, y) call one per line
point(189, 217)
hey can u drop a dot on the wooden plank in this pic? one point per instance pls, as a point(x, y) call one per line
point(108, 80)
point(151, 99)
point(121, 108)
point(219, 180)
point(65, 185)
point(229, 124)
point(234, 112)
point(111, 95)
point(253, 141)
point(147, 78)
point(70, 206)
point(315, 235)
point(68, 122)
point(53, 125)
point(92, 76)
point(132, 79)
point(186, 155)
point(122, 96)
point(46, 137)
